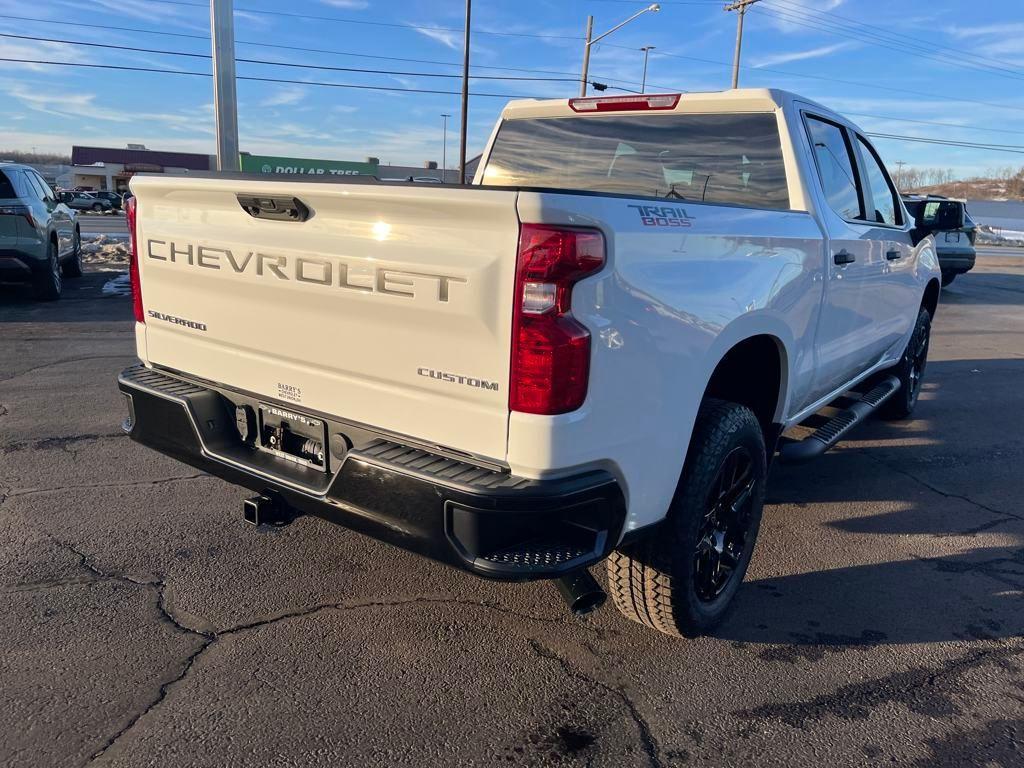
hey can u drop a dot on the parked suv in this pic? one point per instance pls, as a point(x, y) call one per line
point(955, 232)
point(40, 242)
point(85, 201)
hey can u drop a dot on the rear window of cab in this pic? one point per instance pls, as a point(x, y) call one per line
point(731, 158)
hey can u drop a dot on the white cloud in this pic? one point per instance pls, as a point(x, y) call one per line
point(786, 58)
point(348, 5)
point(284, 97)
point(446, 37)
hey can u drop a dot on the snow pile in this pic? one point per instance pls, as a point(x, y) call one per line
point(988, 235)
point(105, 249)
point(119, 286)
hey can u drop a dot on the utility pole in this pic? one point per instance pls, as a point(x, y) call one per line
point(899, 172)
point(444, 148)
point(225, 93)
point(465, 95)
point(741, 6)
point(643, 80)
point(586, 56)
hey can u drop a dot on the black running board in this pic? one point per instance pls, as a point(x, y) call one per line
point(833, 430)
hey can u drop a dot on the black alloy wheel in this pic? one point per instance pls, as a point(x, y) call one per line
point(723, 535)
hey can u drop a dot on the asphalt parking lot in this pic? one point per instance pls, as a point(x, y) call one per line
point(144, 623)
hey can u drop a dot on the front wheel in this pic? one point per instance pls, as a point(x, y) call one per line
point(73, 265)
point(681, 580)
point(910, 370)
point(48, 283)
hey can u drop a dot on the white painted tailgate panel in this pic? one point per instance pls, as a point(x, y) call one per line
point(352, 352)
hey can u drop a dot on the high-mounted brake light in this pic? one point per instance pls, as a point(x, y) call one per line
point(625, 103)
point(550, 349)
point(133, 260)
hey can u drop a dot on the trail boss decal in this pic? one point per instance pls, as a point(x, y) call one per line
point(330, 273)
point(663, 215)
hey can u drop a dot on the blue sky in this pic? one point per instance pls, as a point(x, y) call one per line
point(913, 63)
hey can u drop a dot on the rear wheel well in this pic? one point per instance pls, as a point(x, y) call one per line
point(751, 374)
point(931, 297)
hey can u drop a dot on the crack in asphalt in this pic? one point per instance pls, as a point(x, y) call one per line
point(9, 376)
point(57, 443)
point(857, 700)
point(210, 638)
point(90, 486)
point(1008, 516)
point(647, 739)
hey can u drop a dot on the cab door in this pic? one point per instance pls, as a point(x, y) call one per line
point(848, 338)
point(896, 290)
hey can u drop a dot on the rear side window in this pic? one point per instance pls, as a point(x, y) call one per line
point(6, 186)
point(726, 158)
point(881, 198)
point(835, 167)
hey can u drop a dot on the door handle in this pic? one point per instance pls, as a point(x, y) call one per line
point(843, 257)
point(892, 255)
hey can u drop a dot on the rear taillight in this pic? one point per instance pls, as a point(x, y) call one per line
point(550, 349)
point(133, 260)
point(625, 103)
point(18, 210)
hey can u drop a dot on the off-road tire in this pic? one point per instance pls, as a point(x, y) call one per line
point(48, 284)
point(910, 370)
point(653, 581)
point(73, 266)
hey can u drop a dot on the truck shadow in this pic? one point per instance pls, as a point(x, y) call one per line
point(948, 479)
point(985, 288)
point(970, 596)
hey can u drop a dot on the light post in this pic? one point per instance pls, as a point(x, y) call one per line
point(444, 148)
point(643, 80)
point(590, 40)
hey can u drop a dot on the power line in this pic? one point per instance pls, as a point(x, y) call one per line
point(934, 122)
point(1016, 149)
point(397, 25)
point(899, 46)
point(282, 63)
point(304, 49)
point(898, 36)
point(157, 70)
point(857, 83)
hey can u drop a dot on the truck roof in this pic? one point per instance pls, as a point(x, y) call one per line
point(737, 100)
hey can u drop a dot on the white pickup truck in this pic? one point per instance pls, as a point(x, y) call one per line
point(593, 352)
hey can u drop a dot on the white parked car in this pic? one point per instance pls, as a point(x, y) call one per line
point(591, 353)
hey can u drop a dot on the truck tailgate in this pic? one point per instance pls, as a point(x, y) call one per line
point(390, 306)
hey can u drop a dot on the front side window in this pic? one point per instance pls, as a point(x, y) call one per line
point(835, 167)
point(883, 207)
point(715, 158)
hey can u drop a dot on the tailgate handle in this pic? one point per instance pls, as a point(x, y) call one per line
point(274, 208)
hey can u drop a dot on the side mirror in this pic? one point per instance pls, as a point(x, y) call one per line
point(940, 215)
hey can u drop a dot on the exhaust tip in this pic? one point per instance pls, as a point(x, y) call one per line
point(581, 592)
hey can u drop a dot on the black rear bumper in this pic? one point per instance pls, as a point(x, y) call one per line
point(478, 518)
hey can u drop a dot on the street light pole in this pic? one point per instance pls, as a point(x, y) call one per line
point(465, 95)
point(741, 6)
point(444, 148)
point(225, 94)
point(589, 40)
point(643, 80)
